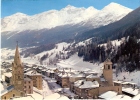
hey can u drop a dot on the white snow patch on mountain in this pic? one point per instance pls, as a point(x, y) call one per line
point(68, 15)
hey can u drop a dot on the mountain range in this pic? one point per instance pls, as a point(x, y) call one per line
point(54, 26)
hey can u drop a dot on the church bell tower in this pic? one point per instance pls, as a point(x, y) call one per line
point(108, 72)
point(17, 72)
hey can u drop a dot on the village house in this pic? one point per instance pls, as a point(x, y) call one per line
point(28, 85)
point(75, 77)
point(50, 73)
point(36, 78)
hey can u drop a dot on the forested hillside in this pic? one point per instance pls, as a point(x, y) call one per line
point(126, 55)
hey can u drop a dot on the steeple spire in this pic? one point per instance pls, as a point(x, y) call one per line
point(17, 59)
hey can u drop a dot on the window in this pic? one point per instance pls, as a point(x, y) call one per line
point(29, 81)
point(13, 95)
point(18, 77)
point(108, 66)
point(29, 87)
point(25, 86)
point(5, 97)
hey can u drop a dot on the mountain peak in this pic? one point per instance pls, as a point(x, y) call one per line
point(91, 8)
point(115, 6)
point(69, 7)
point(19, 14)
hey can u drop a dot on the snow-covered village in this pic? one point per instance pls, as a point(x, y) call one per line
point(71, 53)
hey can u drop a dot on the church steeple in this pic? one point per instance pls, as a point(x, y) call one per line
point(17, 72)
point(17, 59)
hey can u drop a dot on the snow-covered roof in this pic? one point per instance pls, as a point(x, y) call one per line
point(89, 84)
point(27, 79)
point(92, 76)
point(118, 82)
point(44, 69)
point(31, 73)
point(9, 74)
point(7, 90)
point(137, 97)
point(56, 96)
point(78, 75)
point(108, 94)
point(90, 71)
point(120, 97)
point(131, 91)
point(117, 97)
point(23, 98)
point(78, 83)
point(64, 75)
point(50, 71)
point(129, 83)
point(125, 98)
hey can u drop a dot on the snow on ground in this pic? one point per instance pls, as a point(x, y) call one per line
point(6, 53)
point(60, 48)
point(83, 43)
point(52, 54)
point(46, 90)
point(114, 42)
point(137, 97)
point(130, 77)
point(57, 88)
point(77, 63)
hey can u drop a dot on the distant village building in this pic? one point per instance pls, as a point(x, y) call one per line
point(89, 85)
point(20, 84)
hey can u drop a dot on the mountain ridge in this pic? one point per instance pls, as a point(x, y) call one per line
point(67, 15)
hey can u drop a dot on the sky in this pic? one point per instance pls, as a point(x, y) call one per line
point(31, 7)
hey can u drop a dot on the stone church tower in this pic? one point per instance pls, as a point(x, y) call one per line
point(17, 72)
point(108, 72)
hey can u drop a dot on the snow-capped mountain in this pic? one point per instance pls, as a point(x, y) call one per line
point(68, 15)
point(109, 14)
